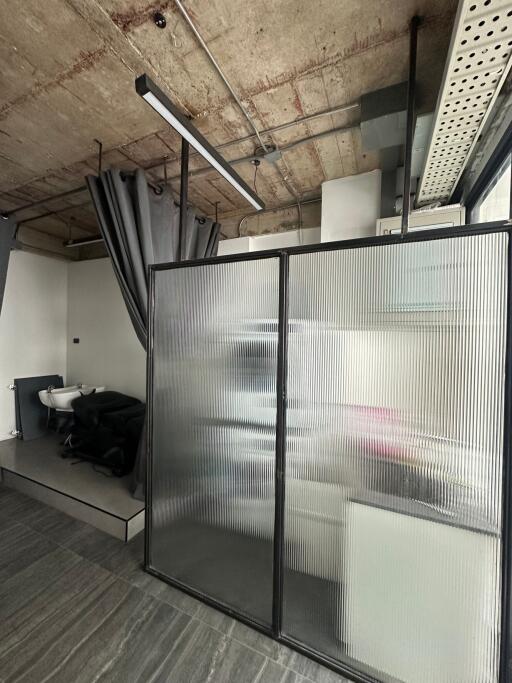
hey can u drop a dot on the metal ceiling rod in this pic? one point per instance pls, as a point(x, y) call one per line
point(275, 129)
point(287, 148)
point(312, 117)
point(268, 131)
point(54, 213)
point(84, 241)
point(61, 195)
point(290, 124)
point(274, 210)
point(94, 239)
point(192, 174)
point(291, 190)
point(411, 114)
point(183, 197)
point(212, 59)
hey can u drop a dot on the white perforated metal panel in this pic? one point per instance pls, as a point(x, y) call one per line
point(477, 64)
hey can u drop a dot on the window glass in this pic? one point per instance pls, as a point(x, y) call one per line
point(494, 205)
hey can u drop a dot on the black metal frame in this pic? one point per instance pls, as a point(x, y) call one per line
point(183, 197)
point(482, 183)
point(411, 122)
point(343, 668)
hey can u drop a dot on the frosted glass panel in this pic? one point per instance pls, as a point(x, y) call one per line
point(214, 430)
point(393, 457)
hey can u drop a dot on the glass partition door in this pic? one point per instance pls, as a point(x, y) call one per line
point(214, 372)
point(329, 448)
point(394, 457)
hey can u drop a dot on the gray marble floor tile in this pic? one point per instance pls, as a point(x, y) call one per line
point(55, 524)
point(172, 596)
point(19, 547)
point(307, 667)
point(132, 638)
point(18, 506)
point(76, 606)
point(44, 649)
point(275, 673)
point(212, 656)
point(37, 581)
point(214, 618)
point(153, 637)
point(34, 625)
point(94, 545)
point(256, 640)
point(283, 655)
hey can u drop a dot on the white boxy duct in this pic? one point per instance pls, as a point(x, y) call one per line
point(477, 64)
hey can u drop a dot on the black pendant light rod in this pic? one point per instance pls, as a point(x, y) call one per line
point(411, 116)
point(183, 197)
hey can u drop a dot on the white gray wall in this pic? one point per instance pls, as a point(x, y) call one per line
point(277, 240)
point(109, 352)
point(351, 206)
point(32, 325)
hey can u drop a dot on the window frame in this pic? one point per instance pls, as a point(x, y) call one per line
point(490, 176)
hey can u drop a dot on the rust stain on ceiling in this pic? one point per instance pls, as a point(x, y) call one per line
point(68, 73)
point(87, 61)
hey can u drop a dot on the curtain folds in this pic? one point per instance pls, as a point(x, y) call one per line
point(140, 227)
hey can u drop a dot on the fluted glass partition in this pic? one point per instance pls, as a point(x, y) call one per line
point(213, 436)
point(396, 370)
point(329, 448)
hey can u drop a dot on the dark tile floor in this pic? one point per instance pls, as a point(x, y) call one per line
point(77, 607)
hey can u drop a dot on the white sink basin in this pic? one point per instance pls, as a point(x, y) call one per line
point(61, 398)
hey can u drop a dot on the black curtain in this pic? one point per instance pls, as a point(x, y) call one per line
point(140, 226)
point(7, 232)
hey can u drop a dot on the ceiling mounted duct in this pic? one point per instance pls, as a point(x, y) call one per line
point(383, 117)
point(477, 64)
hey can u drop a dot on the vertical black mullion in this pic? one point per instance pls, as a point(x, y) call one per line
point(149, 420)
point(506, 563)
point(182, 235)
point(282, 362)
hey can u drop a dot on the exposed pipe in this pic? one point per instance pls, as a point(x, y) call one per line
point(275, 210)
point(270, 131)
point(409, 135)
point(296, 122)
point(53, 213)
point(219, 70)
point(287, 148)
point(312, 117)
point(291, 190)
point(39, 250)
point(207, 169)
point(61, 195)
point(83, 241)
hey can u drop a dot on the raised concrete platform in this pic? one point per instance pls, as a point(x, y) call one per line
point(81, 491)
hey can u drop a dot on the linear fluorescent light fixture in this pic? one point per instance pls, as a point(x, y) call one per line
point(162, 104)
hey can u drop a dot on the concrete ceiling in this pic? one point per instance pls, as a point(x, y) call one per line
point(67, 78)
